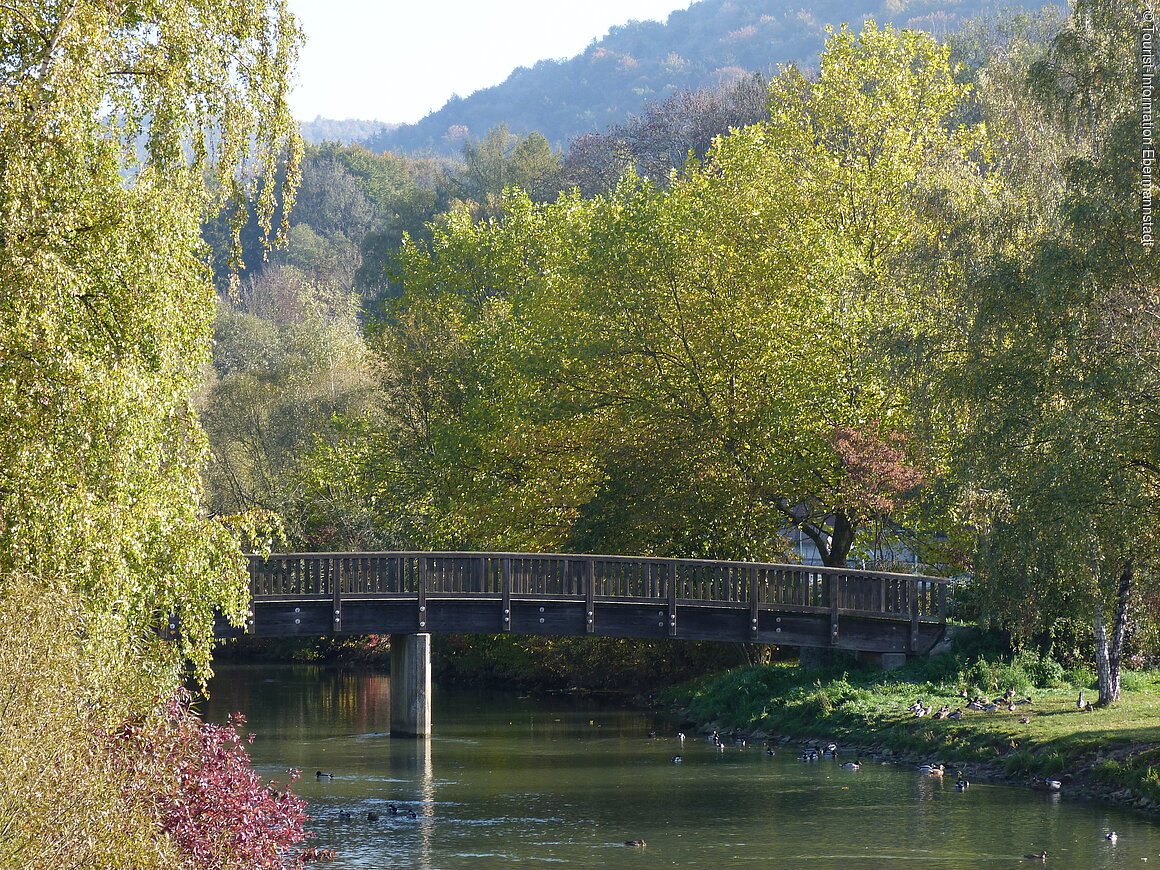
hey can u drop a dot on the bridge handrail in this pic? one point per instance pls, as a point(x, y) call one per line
point(603, 577)
point(500, 554)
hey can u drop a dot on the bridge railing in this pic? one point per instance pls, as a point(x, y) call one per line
point(628, 579)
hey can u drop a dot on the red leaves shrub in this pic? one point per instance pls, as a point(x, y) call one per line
point(206, 796)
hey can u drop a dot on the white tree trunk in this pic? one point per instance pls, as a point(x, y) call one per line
point(1110, 651)
point(1103, 663)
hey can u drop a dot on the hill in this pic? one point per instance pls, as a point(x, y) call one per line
point(710, 43)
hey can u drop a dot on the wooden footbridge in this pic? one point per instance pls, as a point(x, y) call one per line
point(411, 595)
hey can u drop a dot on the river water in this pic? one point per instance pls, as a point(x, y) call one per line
point(563, 782)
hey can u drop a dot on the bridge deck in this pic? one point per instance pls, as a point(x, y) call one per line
point(617, 596)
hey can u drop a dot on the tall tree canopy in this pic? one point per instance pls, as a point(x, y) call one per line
point(1057, 371)
point(122, 127)
point(685, 370)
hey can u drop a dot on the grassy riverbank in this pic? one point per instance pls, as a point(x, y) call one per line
point(1110, 753)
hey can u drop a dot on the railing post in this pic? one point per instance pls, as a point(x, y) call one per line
point(590, 594)
point(942, 602)
point(480, 574)
point(506, 592)
point(833, 581)
point(753, 602)
point(336, 592)
point(674, 569)
point(421, 589)
point(912, 589)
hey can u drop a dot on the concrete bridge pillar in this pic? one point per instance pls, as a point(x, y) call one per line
point(411, 685)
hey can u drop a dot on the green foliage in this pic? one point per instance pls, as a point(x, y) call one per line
point(121, 129)
point(288, 358)
point(1052, 377)
point(684, 370)
point(599, 664)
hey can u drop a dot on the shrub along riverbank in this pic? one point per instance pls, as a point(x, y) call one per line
point(1111, 753)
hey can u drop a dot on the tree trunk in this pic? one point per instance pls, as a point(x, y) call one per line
point(1110, 651)
point(840, 542)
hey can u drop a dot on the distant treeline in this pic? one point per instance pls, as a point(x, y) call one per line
point(711, 43)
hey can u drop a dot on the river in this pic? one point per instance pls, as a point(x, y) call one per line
point(564, 782)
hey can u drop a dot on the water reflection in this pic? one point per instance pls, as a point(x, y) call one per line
point(565, 782)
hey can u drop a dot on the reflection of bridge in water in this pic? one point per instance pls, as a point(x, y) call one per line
point(411, 595)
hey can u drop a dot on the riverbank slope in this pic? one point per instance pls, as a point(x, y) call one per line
point(1111, 753)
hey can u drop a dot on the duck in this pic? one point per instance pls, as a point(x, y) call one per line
point(1047, 785)
point(681, 736)
point(392, 809)
point(920, 712)
point(1024, 720)
point(831, 750)
point(852, 765)
point(769, 750)
point(314, 853)
point(955, 715)
point(1042, 856)
point(411, 814)
point(372, 816)
point(321, 775)
point(990, 708)
point(932, 769)
point(344, 816)
point(676, 759)
point(635, 844)
point(961, 784)
point(810, 754)
point(944, 712)
point(1111, 836)
point(975, 704)
point(651, 734)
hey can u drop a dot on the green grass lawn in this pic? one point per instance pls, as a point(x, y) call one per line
point(1105, 750)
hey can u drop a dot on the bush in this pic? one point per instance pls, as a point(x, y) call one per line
point(198, 779)
point(66, 675)
point(1045, 672)
point(79, 788)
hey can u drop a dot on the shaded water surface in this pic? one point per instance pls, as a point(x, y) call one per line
point(564, 782)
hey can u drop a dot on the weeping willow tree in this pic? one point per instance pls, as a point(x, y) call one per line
point(1061, 360)
point(124, 124)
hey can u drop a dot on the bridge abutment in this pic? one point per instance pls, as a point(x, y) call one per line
point(411, 685)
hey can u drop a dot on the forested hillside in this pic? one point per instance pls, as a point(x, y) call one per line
point(713, 42)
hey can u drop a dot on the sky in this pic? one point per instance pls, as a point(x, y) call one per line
point(391, 61)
